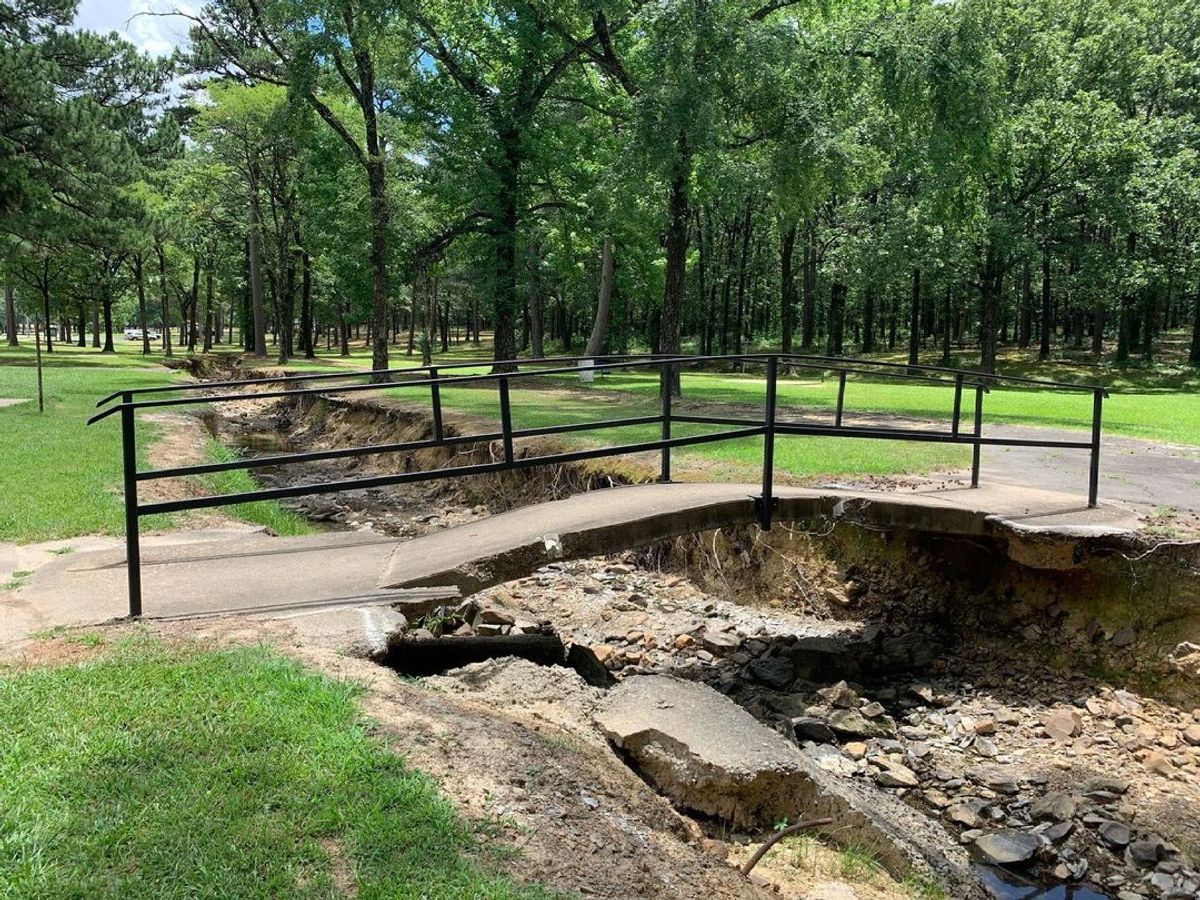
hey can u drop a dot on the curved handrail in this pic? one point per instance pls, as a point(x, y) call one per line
point(829, 362)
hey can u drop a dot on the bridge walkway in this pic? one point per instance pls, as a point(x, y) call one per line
point(242, 573)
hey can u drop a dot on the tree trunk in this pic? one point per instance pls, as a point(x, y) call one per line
point(868, 338)
point(194, 309)
point(106, 304)
point(731, 234)
point(412, 317)
point(427, 337)
point(787, 287)
point(166, 299)
point(208, 306)
point(837, 319)
point(44, 285)
point(991, 284)
point(95, 325)
point(670, 326)
point(259, 345)
point(343, 331)
point(1125, 324)
point(377, 189)
point(914, 325)
point(10, 316)
point(537, 350)
point(946, 326)
point(139, 275)
point(1150, 315)
point(1025, 328)
point(595, 344)
point(507, 220)
point(747, 231)
point(82, 336)
point(306, 308)
point(809, 287)
point(1047, 305)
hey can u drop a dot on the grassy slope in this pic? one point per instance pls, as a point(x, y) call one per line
point(184, 773)
point(61, 478)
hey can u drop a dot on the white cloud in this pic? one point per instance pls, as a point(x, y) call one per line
point(147, 24)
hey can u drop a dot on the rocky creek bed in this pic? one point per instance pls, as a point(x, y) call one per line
point(1045, 734)
point(1052, 774)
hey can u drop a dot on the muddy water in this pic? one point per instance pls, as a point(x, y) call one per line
point(1007, 885)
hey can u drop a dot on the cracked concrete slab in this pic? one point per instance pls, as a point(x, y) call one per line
point(506, 546)
point(711, 756)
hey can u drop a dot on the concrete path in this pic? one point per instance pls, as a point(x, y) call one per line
point(506, 546)
point(1147, 475)
point(189, 574)
point(241, 572)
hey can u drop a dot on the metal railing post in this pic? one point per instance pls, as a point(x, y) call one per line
point(506, 420)
point(958, 383)
point(436, 397)
point(978, 431)
point(133, 552)
point(1094, 472)
point(664, 385)
point(766, 502)
point(841, 401)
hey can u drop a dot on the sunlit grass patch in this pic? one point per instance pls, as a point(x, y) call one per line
point(163, 772)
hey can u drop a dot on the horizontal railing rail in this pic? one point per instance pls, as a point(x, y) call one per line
point(670, 368)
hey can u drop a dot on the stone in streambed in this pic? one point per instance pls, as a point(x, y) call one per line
point(1053, 807)
point(1008, 848)
point(773, 671)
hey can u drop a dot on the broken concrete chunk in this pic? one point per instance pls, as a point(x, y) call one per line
point(711, 756)
point(1116, 835)
point(810, 728)
point(703, 750)
point(840, 695)
point(895, 775)
point(773, 671)
point(852, 724)
point(1053, 807)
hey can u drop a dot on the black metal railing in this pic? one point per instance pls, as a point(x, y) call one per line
point(436, 378)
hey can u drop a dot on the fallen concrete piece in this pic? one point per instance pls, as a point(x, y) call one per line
point(710, 756)
point(704, 751)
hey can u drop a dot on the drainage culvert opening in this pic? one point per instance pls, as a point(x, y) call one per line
point(450, 637)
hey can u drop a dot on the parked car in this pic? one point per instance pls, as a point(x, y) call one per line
point(135, 334)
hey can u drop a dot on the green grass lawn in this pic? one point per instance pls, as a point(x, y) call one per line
point(737, 459)
point(61, 478)
point(150, 772)
point(1166, 416)
point(1155, 403)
